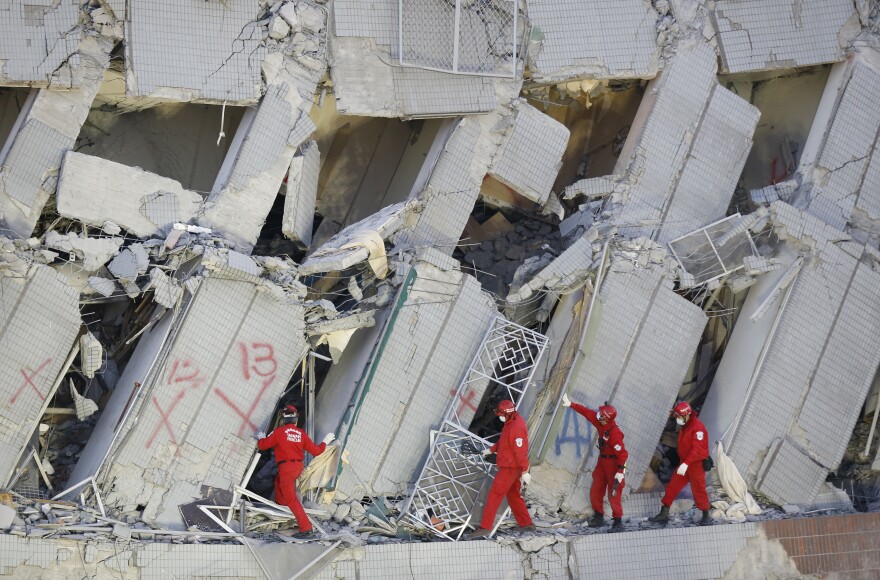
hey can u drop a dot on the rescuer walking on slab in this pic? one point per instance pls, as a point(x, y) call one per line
point(608, 476)
point(693, 450)
point(513, 470)
point(290, 444)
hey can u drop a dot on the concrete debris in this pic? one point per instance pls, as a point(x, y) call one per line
point(94, 191)
point(528, 171)
point(394, 233)
point(48, 125)
point(302, 189)
point(103, 286)
point(92, 252)
point(165, 290)
point(91, 353)
point(85, 408)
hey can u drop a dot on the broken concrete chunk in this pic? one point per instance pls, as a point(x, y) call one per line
point(85, 408)
point(95, 191)
point(278, 28)
point(91, 354)
point(129, 264)
point(165, 290)
point(103, 286)
point(94, 252)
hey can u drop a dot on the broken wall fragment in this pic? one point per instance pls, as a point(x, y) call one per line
point(39, 324)
point(641, 340)
point(47, 128)
point(685, 152)
point(195, 417)
point(95, 191)
point(436, 324)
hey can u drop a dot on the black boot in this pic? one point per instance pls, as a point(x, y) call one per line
point(477, 534)
point(706, 520)
point(662, 517)
point(617, 526)
point(597, 521)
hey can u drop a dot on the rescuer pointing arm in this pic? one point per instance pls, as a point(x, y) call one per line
point(608, 476)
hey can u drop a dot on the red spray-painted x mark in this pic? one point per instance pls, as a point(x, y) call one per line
point(246, 417)
point(163, 420)
point(29, 381)
point(466, 402)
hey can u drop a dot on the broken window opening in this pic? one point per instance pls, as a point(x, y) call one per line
point(11, 103)
point(297, 394)
point(173, 140)
point(498, 248)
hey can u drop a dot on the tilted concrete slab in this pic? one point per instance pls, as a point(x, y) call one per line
point(39, 324)
point(840, 165)
point(263, 148)
point(811, 355)
point(434, 328)
point(641, 339)
point(96, 191)
point(195, 418)
point(302, 190)
point(47, 128)
point(586, 39)
point(531, 156)
point(685, 152)
point(777, 34)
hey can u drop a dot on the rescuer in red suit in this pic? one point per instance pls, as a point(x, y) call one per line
point(290, 444)
point(693, 449)
point(608, 476)
point(513, 470)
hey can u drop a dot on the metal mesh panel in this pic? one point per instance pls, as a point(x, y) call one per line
point(476, 37)
point(453, 478)
point(715, 250)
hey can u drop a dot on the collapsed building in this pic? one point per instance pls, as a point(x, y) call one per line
point(395, 215)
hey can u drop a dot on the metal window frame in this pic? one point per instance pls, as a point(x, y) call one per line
point(516, 69)
point(705, 229)
point(467, 475)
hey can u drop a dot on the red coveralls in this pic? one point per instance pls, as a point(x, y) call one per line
point(290, 443)
point(612, 459)
point(693, 448)
point(512, 460)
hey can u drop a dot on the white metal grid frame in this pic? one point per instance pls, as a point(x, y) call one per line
point(453, 478)
point(715, 250)
point(471, 37)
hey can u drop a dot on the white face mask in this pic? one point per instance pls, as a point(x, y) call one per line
point(680, 420)
point(502, 419)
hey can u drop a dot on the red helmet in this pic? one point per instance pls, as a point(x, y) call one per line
point(682, 409)
point(290, 414)
point(606, 413)
point(505, 408)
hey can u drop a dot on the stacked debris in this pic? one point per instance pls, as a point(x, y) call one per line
point(166, 289)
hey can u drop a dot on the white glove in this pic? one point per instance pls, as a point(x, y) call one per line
point(261, 435)
point(328, 439)
point(682, 469)
point(486, 452)
point(526, 478)
point(618, 477)
point(566, 402)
